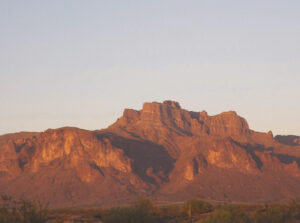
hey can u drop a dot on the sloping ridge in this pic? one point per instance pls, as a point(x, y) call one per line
point(162, 151)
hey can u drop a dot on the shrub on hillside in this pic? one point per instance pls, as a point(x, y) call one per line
point(294, 209)
point(21, 211)
point(170, 211)
point(144, 204)
point(228, 214)
point(194, 207)
point(272, 215)
point(141, 211)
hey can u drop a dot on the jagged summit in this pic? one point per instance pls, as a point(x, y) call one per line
point(162, 151)
point(169, 114)
point(173, 104)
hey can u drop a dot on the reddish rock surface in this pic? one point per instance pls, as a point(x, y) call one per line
point(162, 151)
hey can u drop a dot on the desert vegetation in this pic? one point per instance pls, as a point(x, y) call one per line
point(198, 211)
point(21, 211)
point(193, 211)
point(144, 211)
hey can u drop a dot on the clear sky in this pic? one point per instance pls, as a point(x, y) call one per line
point(80, 63)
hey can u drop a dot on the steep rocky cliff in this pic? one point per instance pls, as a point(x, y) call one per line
point(162, 151)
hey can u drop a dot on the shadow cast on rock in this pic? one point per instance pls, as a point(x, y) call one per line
point(150, 161)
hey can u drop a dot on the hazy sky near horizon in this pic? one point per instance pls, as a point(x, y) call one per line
point(80, 63)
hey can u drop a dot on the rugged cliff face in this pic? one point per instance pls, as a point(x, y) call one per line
point(162, 151)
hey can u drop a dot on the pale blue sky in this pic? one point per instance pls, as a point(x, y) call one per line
point(80, 63)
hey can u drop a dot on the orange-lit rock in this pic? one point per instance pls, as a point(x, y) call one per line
point(162, 151)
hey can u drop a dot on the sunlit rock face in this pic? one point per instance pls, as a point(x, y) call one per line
point(9, 161)
point(73, 148)
point(226, 154)
point(169, 114)
point(162, 151)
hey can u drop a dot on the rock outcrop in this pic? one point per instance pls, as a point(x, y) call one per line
point(289, 140)
point(162, 151)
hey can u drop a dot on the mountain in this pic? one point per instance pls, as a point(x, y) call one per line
point(288, 140)
point(162, 151)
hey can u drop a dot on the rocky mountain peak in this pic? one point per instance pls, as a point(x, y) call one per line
point(173, 104)
point(161, 150)
point(170, 115)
